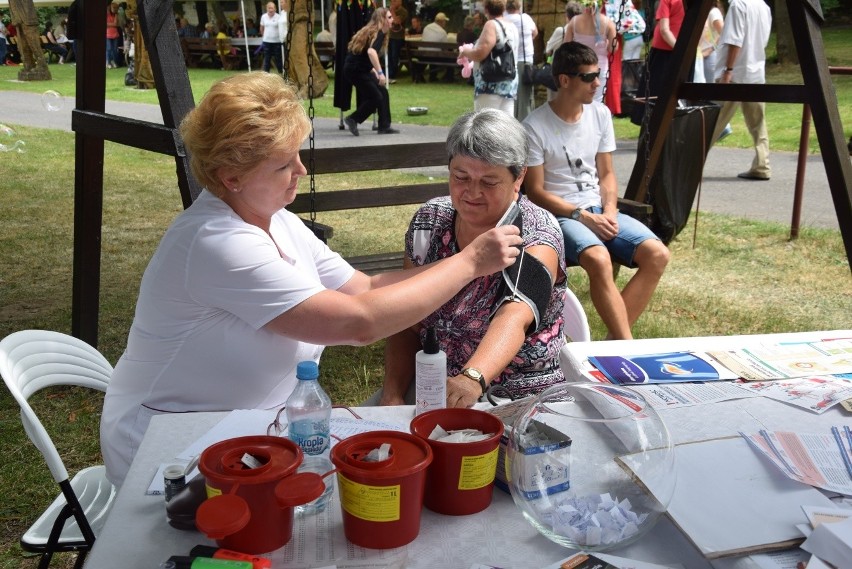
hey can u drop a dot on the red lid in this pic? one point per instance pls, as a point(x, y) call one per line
point(408, 454)
point(221, 516)
point(299, 489)
point(221, 463)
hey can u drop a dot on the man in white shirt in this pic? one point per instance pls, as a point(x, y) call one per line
point(524, 52)
point(437, 32)
point(570, 174)
point(269, 31)
point(741, 58)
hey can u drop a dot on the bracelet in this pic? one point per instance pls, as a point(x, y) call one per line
point(729, 69)
point(380, 72)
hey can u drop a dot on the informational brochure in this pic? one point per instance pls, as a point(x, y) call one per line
point(671, 395)
point(819, 459)
point(788, 360)
point(660, 368)
point(816, 394)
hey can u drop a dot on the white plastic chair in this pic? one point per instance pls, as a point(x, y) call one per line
point(575, 324)
point(31, 360)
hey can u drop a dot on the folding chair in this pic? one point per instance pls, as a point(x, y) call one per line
point(575, 325)
point(31, 360)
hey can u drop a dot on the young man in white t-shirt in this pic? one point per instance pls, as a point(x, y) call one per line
point(570, 174)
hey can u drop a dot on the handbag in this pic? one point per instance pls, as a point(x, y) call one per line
point(500, 63)
point(541, 75)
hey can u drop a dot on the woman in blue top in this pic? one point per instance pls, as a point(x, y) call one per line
point(496, 32)
point(363, 69)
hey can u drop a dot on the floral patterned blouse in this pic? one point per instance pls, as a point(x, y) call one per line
point(462, 322)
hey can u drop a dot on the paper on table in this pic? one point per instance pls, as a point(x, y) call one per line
point(832, 542)
point(728, 501)
point(786, 360)
point(810, 458)
point(816, 393)
point(790, 559)
point(669, 396)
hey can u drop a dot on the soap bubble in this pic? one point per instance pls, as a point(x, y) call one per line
point(8, 142)
point(52, 100)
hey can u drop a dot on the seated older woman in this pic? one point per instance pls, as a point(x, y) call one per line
point(239, 290)
point(502, 328)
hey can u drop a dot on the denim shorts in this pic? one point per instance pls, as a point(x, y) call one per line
point(578, 237)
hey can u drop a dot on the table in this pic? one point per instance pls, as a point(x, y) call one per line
point(136, 531)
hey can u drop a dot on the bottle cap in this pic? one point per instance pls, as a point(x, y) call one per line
point(430, 345)
point(307, 370)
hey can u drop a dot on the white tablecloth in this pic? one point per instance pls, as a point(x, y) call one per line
point(136, 535)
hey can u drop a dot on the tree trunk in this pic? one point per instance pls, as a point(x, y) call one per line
point(29, 43)
point(142, 72)
point(297, 57)
point(784, 43)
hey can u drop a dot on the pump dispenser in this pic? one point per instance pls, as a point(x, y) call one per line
point(430, 375)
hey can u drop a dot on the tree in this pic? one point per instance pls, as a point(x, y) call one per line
point(25, 19)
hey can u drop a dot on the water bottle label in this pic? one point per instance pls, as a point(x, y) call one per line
point(311, 436)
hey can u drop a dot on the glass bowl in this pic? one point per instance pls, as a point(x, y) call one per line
point(571, 461)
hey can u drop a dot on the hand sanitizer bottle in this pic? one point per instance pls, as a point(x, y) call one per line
point(430, 375)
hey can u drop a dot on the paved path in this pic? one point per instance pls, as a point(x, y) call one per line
point(722, 191)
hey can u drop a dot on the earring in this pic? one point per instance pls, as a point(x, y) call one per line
point(235, 189)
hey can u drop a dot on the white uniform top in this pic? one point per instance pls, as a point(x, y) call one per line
point(568, 151)
point(271, 34)
point(198, 342)
point(747, 25)
point(524, 49)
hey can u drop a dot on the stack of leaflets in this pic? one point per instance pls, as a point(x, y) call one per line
point(660, 368)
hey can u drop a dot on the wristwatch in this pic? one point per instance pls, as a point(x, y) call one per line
point(475, 375)
point(576, 214)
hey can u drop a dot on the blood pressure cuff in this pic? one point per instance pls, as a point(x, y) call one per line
point(533, 285)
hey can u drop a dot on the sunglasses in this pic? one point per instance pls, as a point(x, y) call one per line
point(586, 77)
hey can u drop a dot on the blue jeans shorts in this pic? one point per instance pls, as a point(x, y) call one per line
point(578, 237)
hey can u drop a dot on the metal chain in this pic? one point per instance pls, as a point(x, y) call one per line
point(311, 113)
point(644, 130)
point(289, 42)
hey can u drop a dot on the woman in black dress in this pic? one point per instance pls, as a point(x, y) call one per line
point(363, 69)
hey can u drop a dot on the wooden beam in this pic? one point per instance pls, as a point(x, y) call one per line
point(127, 131)
point(806, 19)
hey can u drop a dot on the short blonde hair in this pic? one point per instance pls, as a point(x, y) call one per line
point(239, 123)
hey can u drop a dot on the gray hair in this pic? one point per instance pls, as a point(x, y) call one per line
point(492, 136)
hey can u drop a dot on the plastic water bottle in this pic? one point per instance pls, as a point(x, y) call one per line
point(308, 416)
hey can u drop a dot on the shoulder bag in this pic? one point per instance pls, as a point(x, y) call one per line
point(500, 63)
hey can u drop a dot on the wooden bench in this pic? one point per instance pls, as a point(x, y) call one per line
point(420, 54)
point(326, 53)
point(371, 158)
point(197, 51)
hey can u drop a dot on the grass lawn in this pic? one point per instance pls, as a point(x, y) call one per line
point(744, 277)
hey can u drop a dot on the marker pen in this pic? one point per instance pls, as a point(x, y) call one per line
point(216, 553)
point(187, 562)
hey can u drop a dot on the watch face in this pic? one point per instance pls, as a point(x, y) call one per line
point(474, 374)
